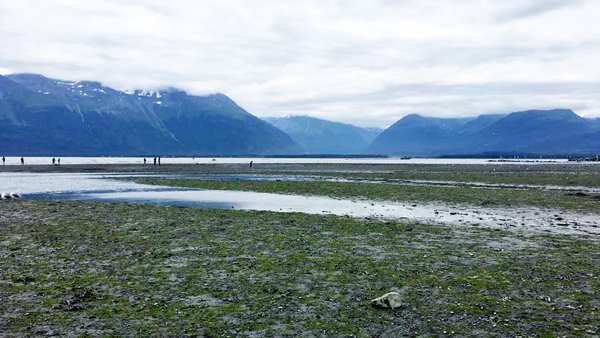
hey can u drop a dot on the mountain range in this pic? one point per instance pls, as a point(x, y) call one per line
point(542, 132)
point(42, 116)
point(318, 136)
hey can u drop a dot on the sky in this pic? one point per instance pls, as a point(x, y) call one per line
point(367, 63)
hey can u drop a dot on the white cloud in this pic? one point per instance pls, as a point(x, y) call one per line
point(362, 62)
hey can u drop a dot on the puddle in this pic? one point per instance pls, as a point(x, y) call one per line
point(49, 185)
point(525, 219)
point(94, 187)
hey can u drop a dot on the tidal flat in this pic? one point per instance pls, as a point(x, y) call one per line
point(73, 268)
point(387, 192)
point(103, 269)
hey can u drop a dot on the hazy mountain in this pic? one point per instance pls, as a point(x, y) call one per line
point(318, 136)
point(369, 134)
point(482, 121)
point(534, 131)
point(558, 131)
point(449, 123)
point(596, 122)
point(415, 135)
point(43, 116)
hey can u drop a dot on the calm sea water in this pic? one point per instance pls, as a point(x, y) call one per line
point(207, 160)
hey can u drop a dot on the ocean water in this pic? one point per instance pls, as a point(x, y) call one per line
point(260, 160)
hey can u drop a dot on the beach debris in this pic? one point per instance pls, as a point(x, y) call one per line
point(391, 300)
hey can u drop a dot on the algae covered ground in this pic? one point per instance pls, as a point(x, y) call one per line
point(100, 269)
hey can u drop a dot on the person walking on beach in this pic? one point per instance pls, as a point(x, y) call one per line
point(154, 160)
point(22, 161)
point(250, 164)
point(159, 160)
point(3, 160)
point(144, 161)
point(59, 161)
point(53, 161)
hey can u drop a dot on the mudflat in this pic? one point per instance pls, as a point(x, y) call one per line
point(99, 269)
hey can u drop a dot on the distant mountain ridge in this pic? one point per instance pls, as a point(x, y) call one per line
point(558, 131)
point(319, 136)
point(42, 116)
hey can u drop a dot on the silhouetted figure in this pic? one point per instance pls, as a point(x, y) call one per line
point(3, 160)
point(53, 161)
point(250, 164)
point(59, 161)
point(159, 160)
point(144, 161)
point(22, 161)
point(155, 161)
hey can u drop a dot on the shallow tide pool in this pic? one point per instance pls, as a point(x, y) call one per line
point(96, 187)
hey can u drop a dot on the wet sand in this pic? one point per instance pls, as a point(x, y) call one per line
point(96, 187)
point(525, 220)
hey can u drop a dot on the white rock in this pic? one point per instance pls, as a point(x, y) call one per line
point(391, 300)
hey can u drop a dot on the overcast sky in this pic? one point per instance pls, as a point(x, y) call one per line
point(362, 62)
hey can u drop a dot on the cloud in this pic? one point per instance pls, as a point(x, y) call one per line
point(362, 62)
point(529, 8)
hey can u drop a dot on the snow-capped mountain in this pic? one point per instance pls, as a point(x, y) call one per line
point(42, 116)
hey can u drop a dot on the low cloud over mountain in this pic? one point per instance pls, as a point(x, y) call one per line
point(543, 132)
point(41, 116)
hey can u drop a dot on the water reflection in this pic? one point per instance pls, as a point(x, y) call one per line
point(94, 187)
point(50, 184)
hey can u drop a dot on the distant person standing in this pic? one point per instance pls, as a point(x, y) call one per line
point(250, 164)
point(144, 161)
point(59, 161)
point(3, 160)
point(53, 161)
point(22, 161)
point(159, 160)
point(154, 160)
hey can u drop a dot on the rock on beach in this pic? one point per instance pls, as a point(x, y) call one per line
point(391, 300)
